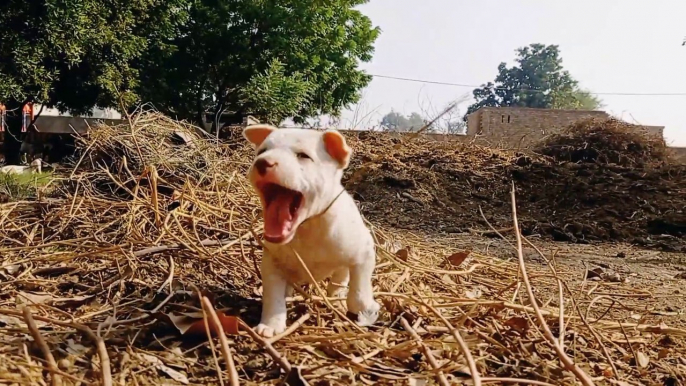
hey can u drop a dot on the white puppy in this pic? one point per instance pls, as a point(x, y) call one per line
point(297, 175)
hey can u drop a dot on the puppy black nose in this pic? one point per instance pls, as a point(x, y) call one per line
point(262, 165)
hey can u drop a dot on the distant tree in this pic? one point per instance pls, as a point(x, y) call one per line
point(537, 80)
point(415, 121)
point(456, 127)
point(75, 55)
point(578, 99)
point(395, 121)
point(274, 59)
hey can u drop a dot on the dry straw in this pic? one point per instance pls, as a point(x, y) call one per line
point(94, 276)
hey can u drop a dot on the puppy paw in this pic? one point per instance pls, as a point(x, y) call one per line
point(368, 316)
point(267, 331)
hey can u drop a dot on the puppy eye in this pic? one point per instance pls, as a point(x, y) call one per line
point(302, 155)
point(261, 151)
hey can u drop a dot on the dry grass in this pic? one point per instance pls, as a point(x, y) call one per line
point(146, 229)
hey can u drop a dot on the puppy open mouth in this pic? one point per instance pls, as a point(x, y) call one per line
point(281, 211)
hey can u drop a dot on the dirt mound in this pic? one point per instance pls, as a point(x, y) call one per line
point(605, 141)
point(444, 187)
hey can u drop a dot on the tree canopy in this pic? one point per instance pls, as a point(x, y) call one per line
point(273, 59)
point(270, 58)
point(78, 54)
point(538, 80)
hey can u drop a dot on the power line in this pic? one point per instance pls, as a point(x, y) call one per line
point(522, 90)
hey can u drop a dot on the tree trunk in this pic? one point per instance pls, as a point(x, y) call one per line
point(218, 111)
point(13, 134)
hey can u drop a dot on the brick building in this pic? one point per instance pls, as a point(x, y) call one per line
point(520, 127)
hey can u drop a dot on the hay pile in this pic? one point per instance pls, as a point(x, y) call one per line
point(101, 280)
point(605, 141)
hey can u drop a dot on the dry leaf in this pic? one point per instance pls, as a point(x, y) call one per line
point(611, 277)
point(171, 373)
point(33, 298)
point(663, 353)
point(473, 294)
point(518, 323)
point(458, 258)
point(194, 324)
point(46, 298)
point(12, 269)
point(53, 271)
point(403, 254)
point(12, 322)
point(643, 359)
point(76, 349)
point(448, 280)
point(608, 373)
point(595, 273)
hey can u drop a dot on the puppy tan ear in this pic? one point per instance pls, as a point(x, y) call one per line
point(337, 148)
point(256, 134)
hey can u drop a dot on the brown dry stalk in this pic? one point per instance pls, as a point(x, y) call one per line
point(47, 355)
point(224, 343)
point(566, 361)
point(429, 356)
point(278, 358)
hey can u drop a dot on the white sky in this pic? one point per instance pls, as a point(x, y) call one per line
point(609, 46)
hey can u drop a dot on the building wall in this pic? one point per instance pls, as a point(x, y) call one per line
point(521, 127)
point(679, 154)
point(518, 128)
point(96, 114)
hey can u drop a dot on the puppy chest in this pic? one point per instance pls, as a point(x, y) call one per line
point(319, 265)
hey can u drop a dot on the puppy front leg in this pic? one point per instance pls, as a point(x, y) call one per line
point(273, 320)
point(361, 294)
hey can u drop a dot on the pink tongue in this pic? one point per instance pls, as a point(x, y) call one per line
point(278, 220)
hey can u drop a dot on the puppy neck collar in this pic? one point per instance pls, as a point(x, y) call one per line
point(326, 209)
